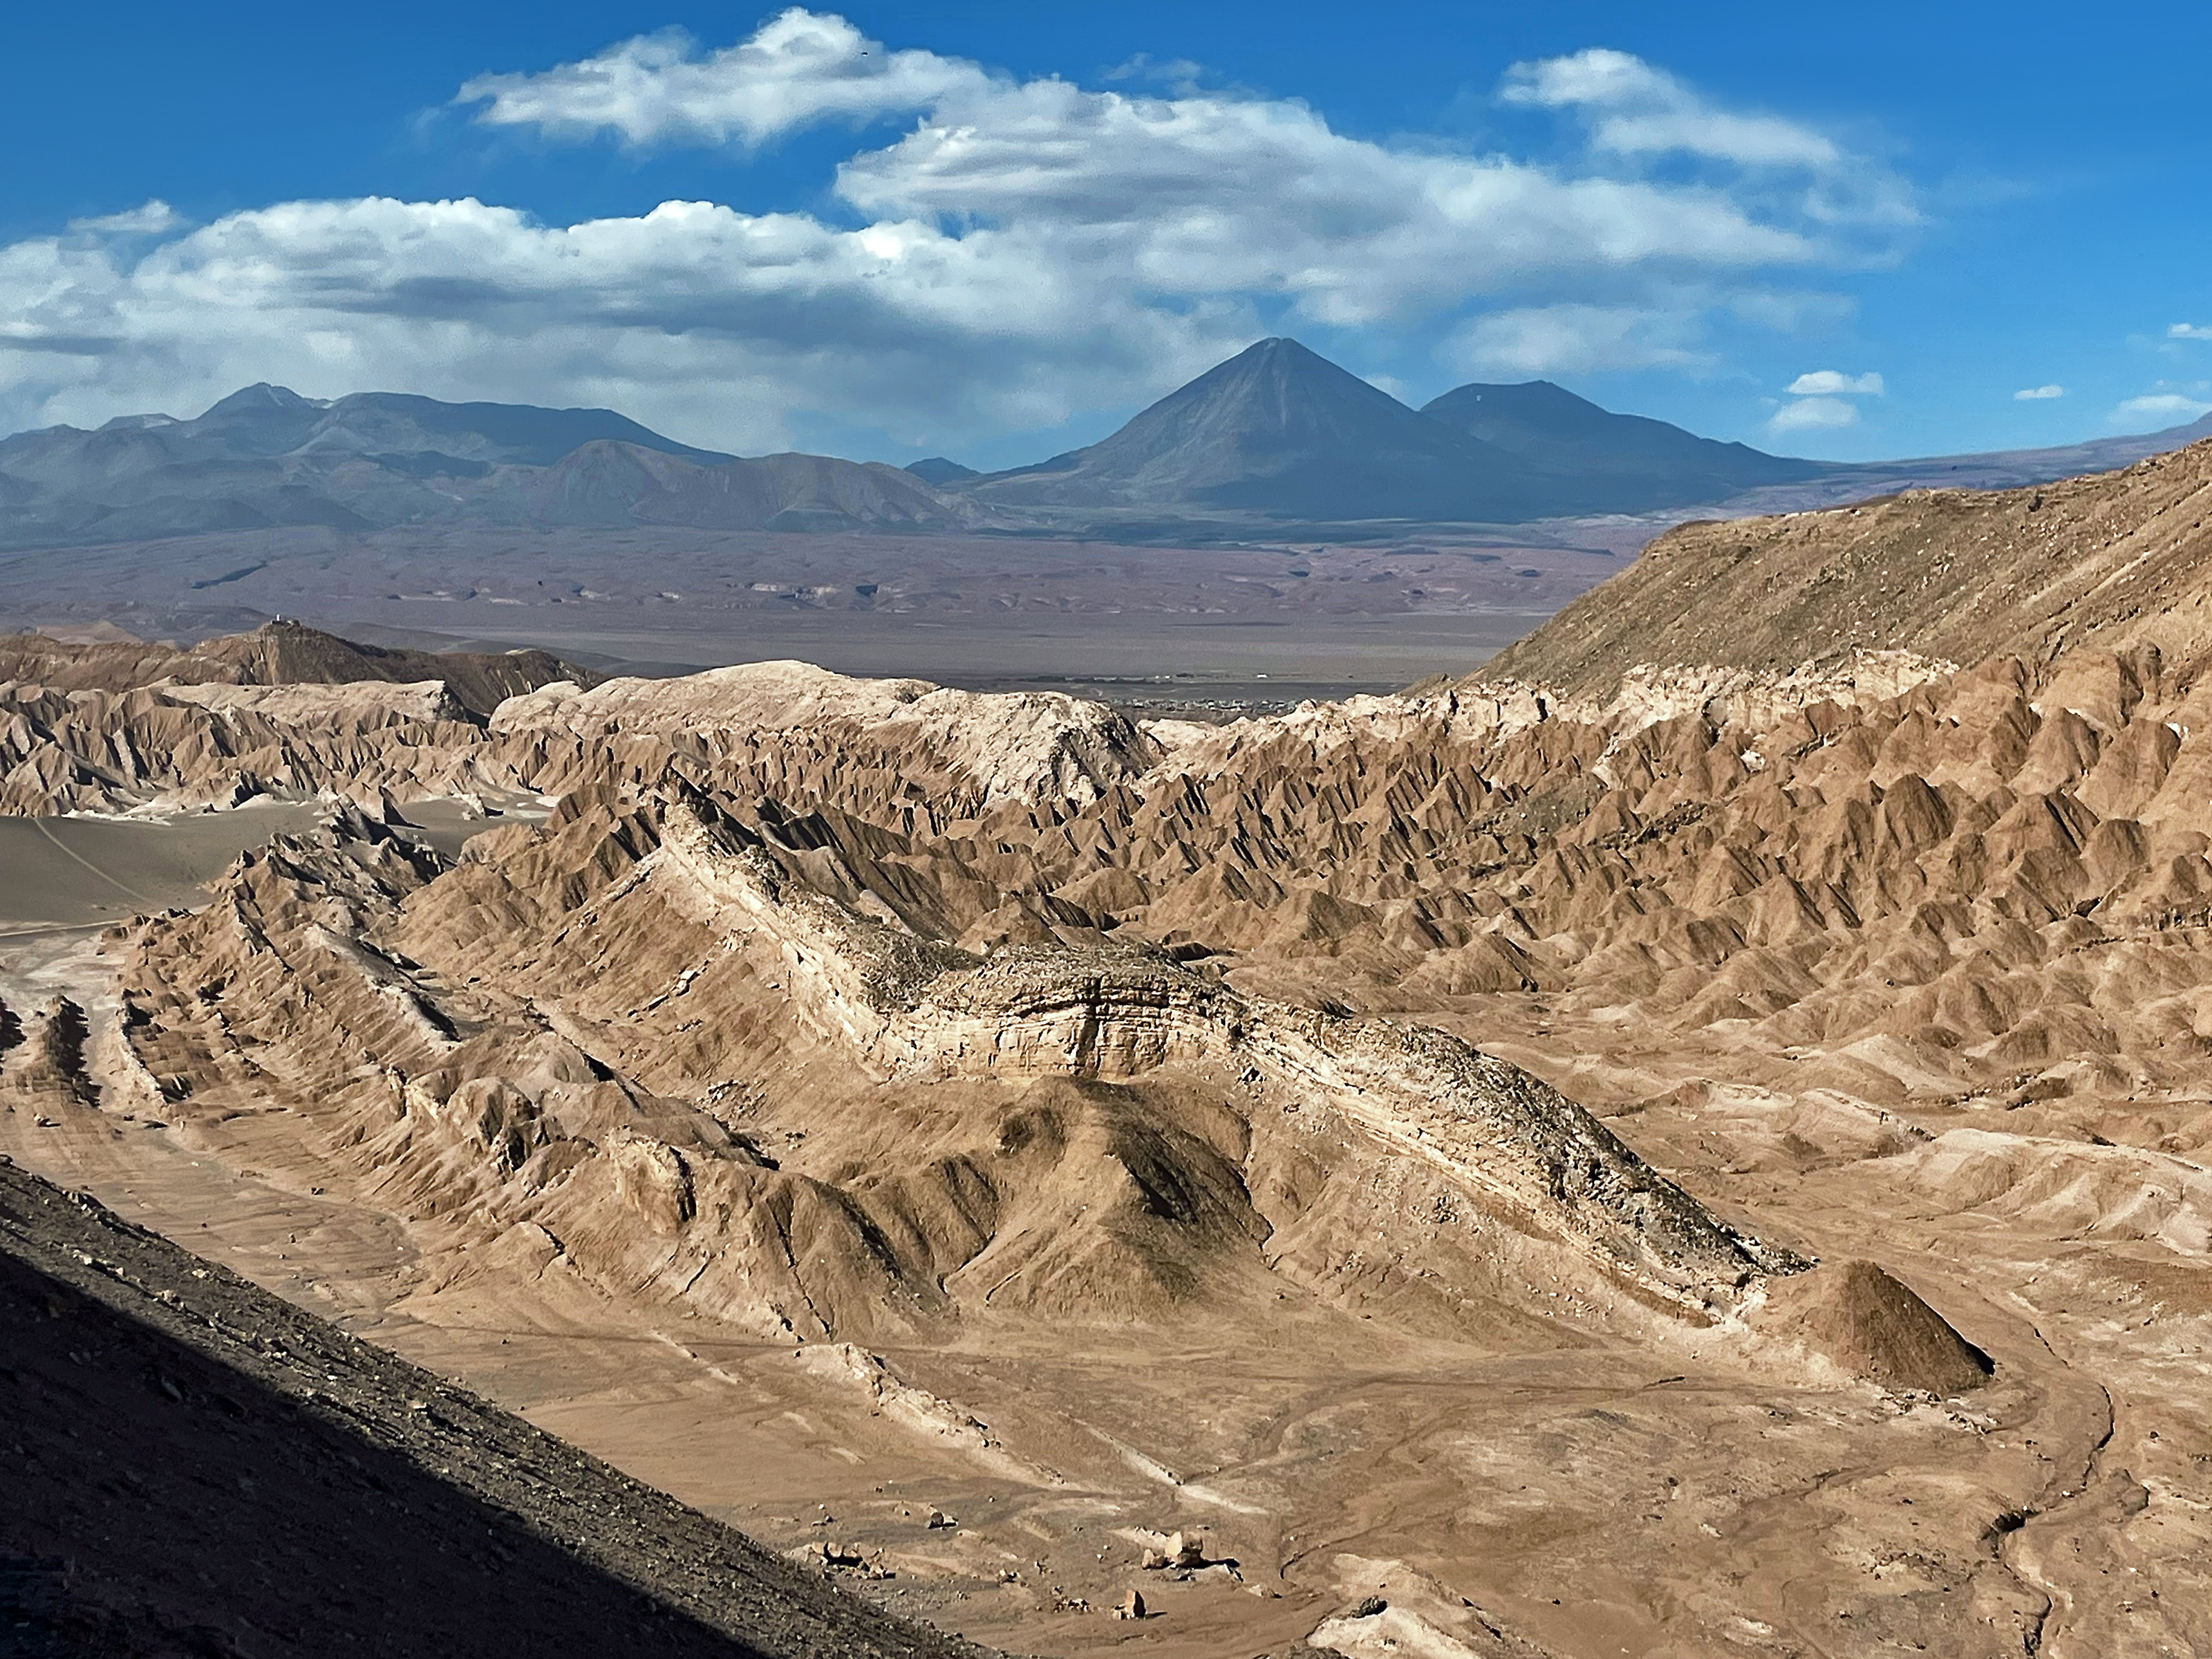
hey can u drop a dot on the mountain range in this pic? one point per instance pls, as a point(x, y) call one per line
point(1275, 439)
point(267, 457)
point(1280, 430)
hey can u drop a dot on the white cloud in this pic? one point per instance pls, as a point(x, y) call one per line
point(1213, 194)
point(152, 219)
point(1640, 114)
point(1196, 192)
point(2033, 394)
point(800, 69)
point(1813, 414)
point(2172, 408)
point(1574, 339)
point(1636, 109)
point(1832, 383)
point(718, 324)
point(2190, 331)
point(1020, 253)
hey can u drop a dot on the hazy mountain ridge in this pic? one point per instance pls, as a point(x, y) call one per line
point(1637, 459)
point(1277, 440)
point(266, 456)
point(1280, 431)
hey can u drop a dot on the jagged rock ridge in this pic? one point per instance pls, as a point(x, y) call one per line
point(862, 1012)
point(281, 654)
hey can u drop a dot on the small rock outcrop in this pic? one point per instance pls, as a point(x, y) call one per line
point(1872, 1325)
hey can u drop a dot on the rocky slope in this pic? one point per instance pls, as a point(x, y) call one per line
point(2112, 560)
point(280, 654)
point(363, 1504)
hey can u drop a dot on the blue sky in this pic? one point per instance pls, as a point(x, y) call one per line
point(993, 230)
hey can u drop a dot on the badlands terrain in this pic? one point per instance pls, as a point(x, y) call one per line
point(1690, 1141)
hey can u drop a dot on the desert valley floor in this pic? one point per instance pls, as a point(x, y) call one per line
point(1675, 1144)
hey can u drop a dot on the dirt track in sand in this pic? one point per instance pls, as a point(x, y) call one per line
point(199, 1467)
point(77, 872)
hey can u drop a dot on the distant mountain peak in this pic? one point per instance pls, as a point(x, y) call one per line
point(1277, 386)
point(1620, 462)
point(1278, 355)
point(938, 471)
point(1282, 345)
point(1279, 429)
point(260, 397)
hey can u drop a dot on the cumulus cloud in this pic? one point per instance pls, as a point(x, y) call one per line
point(1813, 414)
point(798, 69)
point(2190, 331)
point(2032, 394)
point(1643, 117)
point(2165, 407)
point(1018, 252)
point(1832, 383)
point(719, 323)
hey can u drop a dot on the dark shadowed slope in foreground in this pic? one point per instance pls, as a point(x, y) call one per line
point(198, 1468)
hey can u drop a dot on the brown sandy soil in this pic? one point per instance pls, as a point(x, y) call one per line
point(1321, 1438)
point(88, 871)
point(81, 871)
point(200, 1468)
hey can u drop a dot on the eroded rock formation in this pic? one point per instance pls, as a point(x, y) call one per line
point(834, 1013)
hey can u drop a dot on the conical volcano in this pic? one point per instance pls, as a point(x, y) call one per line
point(1281, 429)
